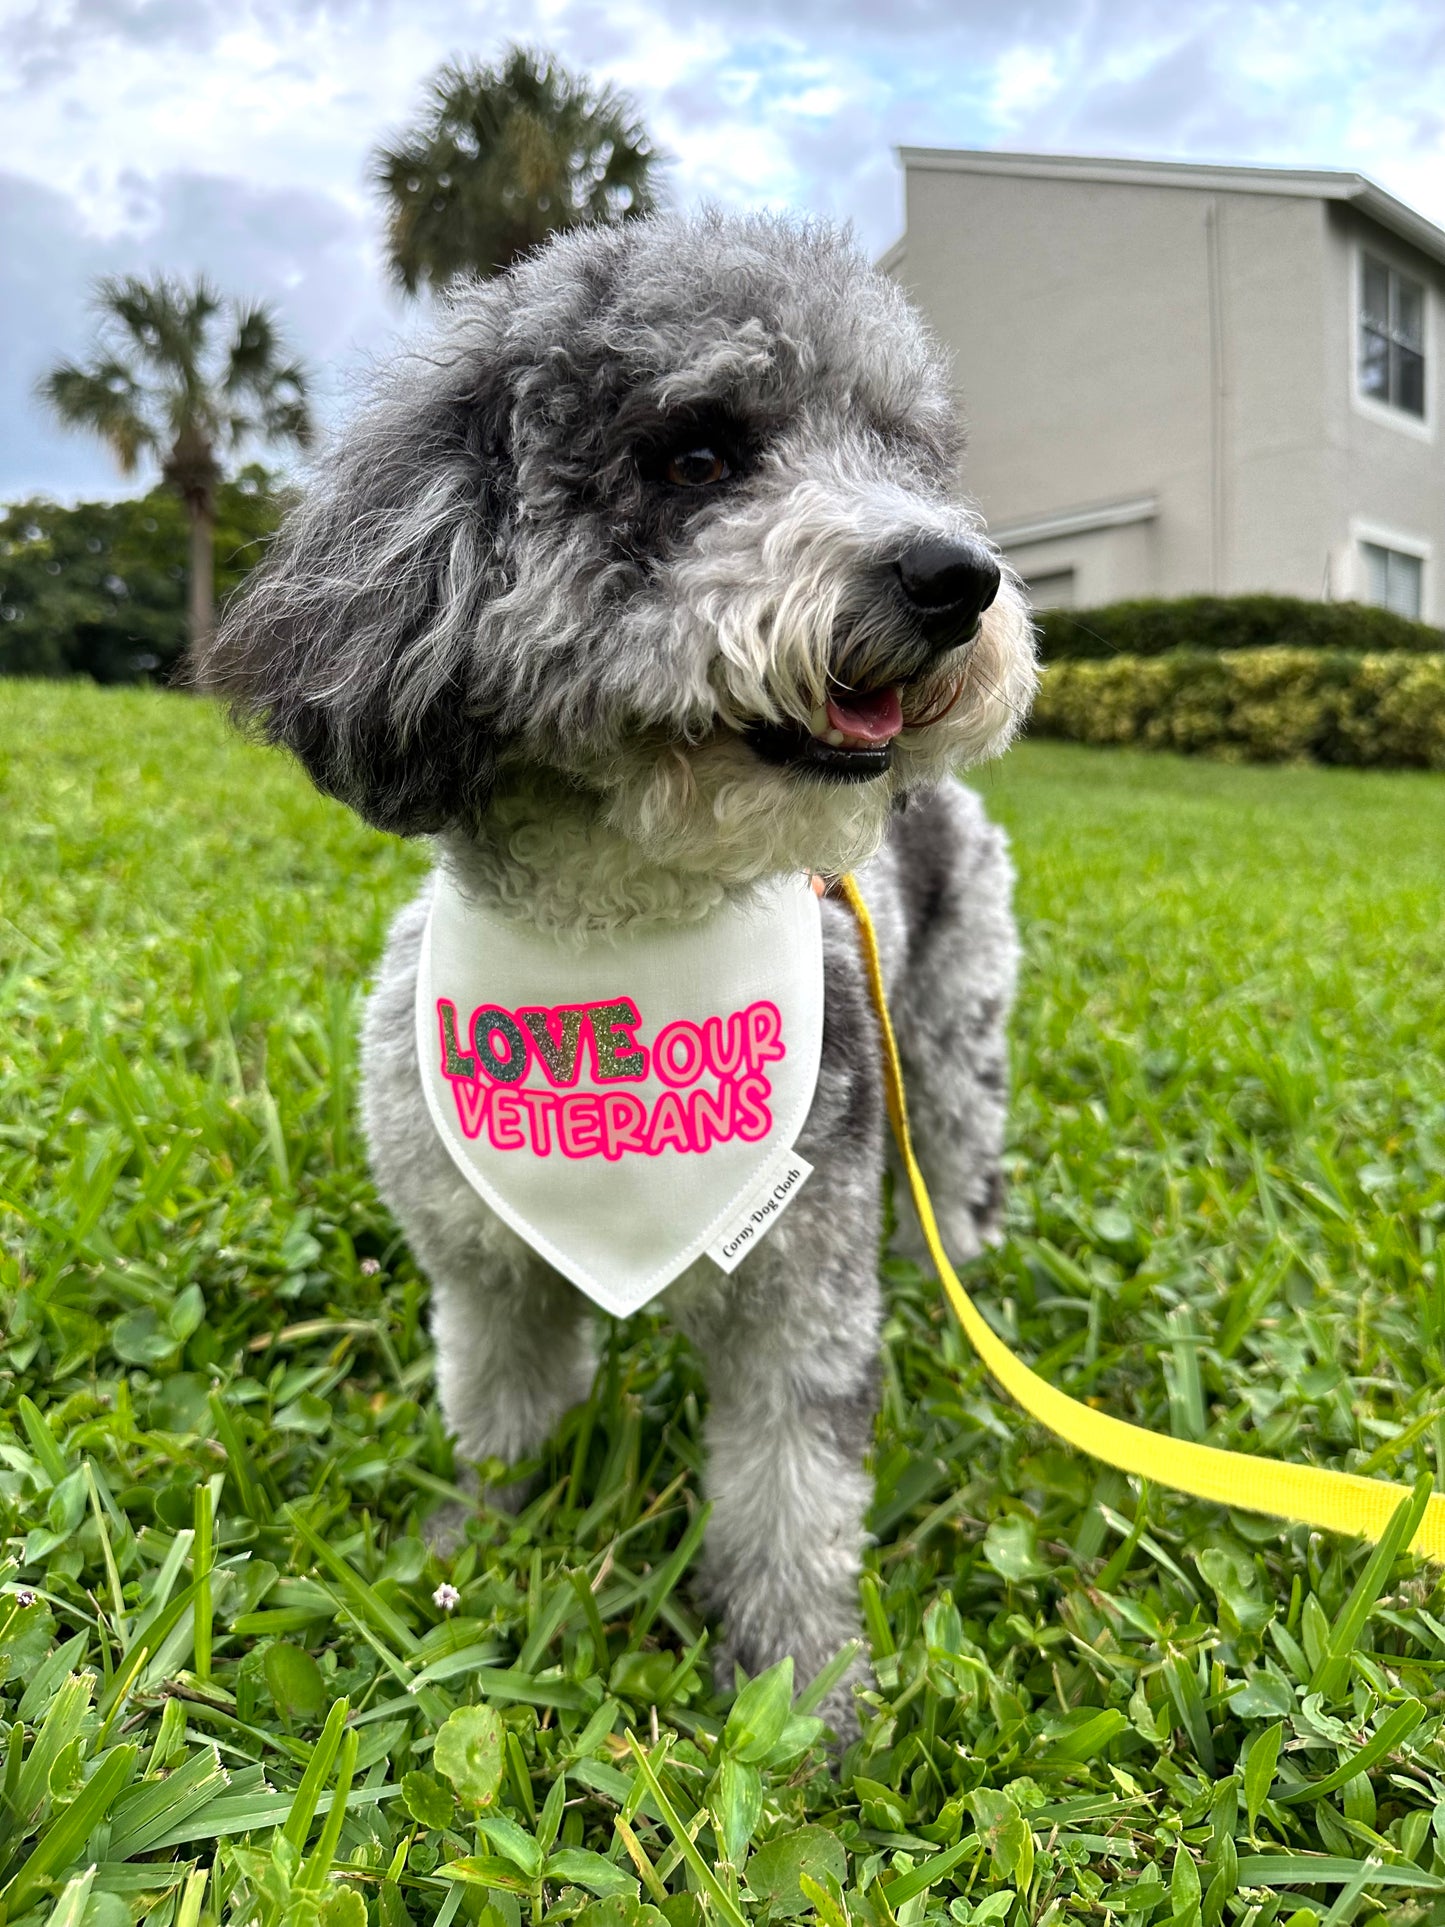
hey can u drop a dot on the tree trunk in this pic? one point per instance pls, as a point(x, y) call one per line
point(203, 572)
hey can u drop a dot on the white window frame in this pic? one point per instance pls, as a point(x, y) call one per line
point(1385, 537)
point(1421, 427)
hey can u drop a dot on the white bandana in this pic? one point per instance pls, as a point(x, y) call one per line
point(627, 1106)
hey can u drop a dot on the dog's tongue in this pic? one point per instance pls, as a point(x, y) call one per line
point(876, 717)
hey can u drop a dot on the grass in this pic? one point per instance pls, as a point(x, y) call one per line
point(229, 1689)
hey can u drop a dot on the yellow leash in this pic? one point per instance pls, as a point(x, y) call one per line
point(1335, 1501)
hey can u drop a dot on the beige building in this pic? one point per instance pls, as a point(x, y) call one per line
point(1181, 379)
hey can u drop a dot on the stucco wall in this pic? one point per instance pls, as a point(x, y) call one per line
point(1273, 355)
point(1077, 315)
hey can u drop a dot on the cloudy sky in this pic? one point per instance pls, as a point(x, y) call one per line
point(232, 135)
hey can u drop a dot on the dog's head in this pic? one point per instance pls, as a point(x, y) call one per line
point(665, 510)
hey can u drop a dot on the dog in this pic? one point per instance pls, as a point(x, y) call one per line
point(640, 587)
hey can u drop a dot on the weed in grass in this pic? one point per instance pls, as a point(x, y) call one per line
point(238, 1687)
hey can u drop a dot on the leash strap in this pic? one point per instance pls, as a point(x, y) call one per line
point(1341, 1502)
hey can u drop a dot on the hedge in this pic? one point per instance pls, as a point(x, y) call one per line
point(1153, 627)
point(1270, 705)
point(99, 589)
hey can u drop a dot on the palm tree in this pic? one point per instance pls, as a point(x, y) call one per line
point(179, 374)
point(502, 156)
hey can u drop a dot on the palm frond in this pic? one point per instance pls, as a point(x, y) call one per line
point(252, 353)
point(500, 157)
point(107, 399)
point(168, 381)
point(166, 321)
point(277, 389)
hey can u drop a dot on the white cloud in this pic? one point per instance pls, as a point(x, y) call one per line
point(819, 102)
point(1023, 78)
point(674, 51)
point(234, 134)
point(731, 160)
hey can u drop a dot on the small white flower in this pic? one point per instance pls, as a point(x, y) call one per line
point(446, 1596)
point(369, 1267)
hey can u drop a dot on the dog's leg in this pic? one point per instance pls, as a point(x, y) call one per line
point(513, 1339)
point(951, 995)
point(514, 1353)
point(787, 1431)
point(790, 1345)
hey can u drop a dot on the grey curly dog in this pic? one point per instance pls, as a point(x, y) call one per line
point(639, 584)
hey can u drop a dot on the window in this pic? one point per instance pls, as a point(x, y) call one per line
point(1393, 579)
point(1392, 337)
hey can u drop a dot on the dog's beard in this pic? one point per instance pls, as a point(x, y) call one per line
point(714, 809)
point(975, 705)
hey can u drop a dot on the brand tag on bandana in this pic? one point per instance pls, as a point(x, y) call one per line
point(627, 1106)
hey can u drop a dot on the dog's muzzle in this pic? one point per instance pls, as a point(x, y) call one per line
point(944, 586)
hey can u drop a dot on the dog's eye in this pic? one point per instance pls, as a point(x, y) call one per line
point(698, 467)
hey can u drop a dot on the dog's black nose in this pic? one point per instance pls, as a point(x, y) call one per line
point(954, 579)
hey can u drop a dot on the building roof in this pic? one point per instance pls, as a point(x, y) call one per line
point(1315, 183)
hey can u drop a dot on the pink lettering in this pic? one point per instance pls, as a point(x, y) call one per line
point(488, 1086)
point(765, 1034)
point(623, 1119)
point(677, 1056)
point(669, 1125)
point(712, 1117)
point(503, 1124)
point(471, 1101)
point(578, 1126)
point(754, 1119)
point(730, 1063)
point(539, 1114)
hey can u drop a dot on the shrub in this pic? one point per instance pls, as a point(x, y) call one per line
point(1154, 627)
point(1267, 705)
point(99, 589)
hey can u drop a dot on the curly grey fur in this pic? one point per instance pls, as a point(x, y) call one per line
point(489, 622)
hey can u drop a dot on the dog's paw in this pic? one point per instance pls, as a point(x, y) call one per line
point(963, 1238)
point(445, 1531)
point(907, 1239)
point(837, 1709)
point(510, 1497)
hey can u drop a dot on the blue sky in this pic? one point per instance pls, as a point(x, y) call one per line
point(232, 135)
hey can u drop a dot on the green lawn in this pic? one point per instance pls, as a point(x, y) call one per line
point(1228, 1184)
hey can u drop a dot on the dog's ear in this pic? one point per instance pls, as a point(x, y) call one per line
point(357, 643)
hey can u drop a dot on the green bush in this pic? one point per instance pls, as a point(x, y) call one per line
point(1383, 711)
point(99, 589)
point(1154, 627)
